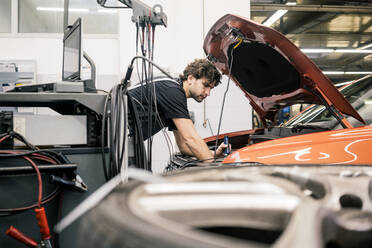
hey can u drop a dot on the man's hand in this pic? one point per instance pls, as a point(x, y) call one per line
point(220, 149)
point(190, 143)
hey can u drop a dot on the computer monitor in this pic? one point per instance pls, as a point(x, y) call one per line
point(72, 52)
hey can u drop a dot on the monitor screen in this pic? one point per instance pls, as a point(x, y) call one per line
point(72, 52)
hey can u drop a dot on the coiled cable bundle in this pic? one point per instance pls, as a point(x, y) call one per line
point(114, 122)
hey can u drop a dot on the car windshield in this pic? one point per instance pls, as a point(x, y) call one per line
point(359, 94)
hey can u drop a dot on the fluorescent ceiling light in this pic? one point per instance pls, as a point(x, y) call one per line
point(353, 51)
point(333, 72)
point(60, 9)
point(78, 10)
point(49, 9)
point(358, 72)
point(344, 83)
point(107, 11)
point(366, 46)
point(347, 72)
point(317, 50)
point(335, 50)
point(275, 17)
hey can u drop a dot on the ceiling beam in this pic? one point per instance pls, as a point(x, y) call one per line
point(352, 59)
point(331, 36)
point(313, 8)
point(346, 60)
point(308, 21)
point(357, 67)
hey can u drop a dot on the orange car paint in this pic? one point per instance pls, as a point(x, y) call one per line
point(344, 146)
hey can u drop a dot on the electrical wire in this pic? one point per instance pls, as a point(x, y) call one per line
point(223, 102)
point(46, 199)
point(103, 127)
point(117, 7)
point(56, 156)
point(40, 182)
point(18, 136)
point(188, 163)
point(210, 127)
point(47, 155)
point(4, 138)
point(147, 48)
point(172, 167)
point(36, 154)
point(166, 136)
point(153, 63)
point(115, 110)
point(114, 116)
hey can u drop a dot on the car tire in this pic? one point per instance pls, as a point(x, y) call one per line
point(288, 206)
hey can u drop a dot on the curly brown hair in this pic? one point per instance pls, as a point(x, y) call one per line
point(202, 68)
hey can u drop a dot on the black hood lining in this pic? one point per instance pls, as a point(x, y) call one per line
point(261, 70)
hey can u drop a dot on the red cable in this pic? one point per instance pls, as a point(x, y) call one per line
point(41, 217)
point(39, 157)
point(3, 138)
point(43, 158)
point(38, 178)
point(48, 198)
point(9, 152)
point(39, 211)
point(35, 155)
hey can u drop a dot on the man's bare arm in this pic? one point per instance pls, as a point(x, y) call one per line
point(181, 144)
point(190, 143)
point(188, 140)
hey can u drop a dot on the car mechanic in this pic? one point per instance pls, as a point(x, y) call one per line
point(169, 109)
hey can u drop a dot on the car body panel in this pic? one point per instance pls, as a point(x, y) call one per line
point(270, 69)
point(232, 134)
point(343, 146)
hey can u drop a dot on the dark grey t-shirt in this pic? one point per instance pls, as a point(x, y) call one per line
point(170, 103)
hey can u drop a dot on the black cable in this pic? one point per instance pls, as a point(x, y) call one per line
point(193, 161)
point(55, 156)
point(114, 115)
point(122, 93)
point(3, 134)
point(148, 79)
point(153, 63)
point(152, 86)
point(14, 211)
point(41, 151)
point(117, 7)
point(116, 155)
point(223, 104)
point(151, 97)
point(19, 137)
point(114, 126)
point(145, 72)
point(104, 164)
point(140, 152)
point(171, 167)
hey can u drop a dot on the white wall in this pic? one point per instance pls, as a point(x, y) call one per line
point(47, 52)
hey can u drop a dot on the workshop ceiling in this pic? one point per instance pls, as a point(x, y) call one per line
point(325, 24)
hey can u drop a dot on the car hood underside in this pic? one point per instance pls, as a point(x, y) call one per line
point(270, 69)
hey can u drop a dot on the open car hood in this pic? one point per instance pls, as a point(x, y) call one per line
point(270, 69)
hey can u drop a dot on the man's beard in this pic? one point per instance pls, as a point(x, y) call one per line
point(198, 98)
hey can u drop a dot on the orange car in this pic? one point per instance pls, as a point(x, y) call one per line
point(274, 73)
